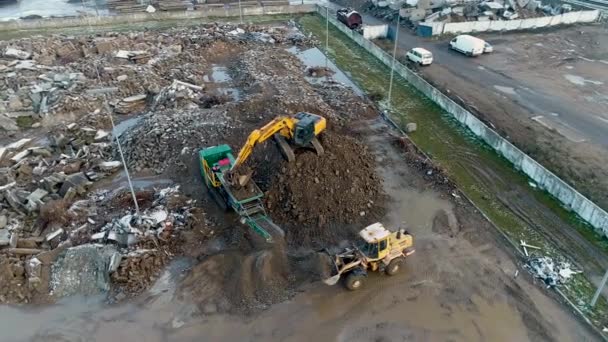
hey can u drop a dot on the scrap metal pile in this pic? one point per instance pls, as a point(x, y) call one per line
point(416, 11)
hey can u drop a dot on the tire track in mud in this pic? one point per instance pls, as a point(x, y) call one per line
point(535, 216)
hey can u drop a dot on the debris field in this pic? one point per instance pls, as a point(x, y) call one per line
point(68, 222)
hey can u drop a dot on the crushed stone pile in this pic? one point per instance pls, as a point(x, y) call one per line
point(162, 138)
point(314, 195)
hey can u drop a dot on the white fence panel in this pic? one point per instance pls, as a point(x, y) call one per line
point(498, 25)
point(512, 25)
point(481, 26)
point(375, 31)
point(518, 24)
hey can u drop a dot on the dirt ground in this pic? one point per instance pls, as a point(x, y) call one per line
point(224, 283)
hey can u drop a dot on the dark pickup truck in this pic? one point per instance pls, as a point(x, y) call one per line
point(350, 18)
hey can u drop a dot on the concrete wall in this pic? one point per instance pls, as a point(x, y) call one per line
point(566, 194)
point(520, 24)
point(144, 16)
point(375, 31)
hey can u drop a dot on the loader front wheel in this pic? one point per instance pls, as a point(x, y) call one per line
point(354, 281)
point(394, 266)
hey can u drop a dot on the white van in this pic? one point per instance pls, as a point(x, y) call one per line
point(420, 56)
point(469, 45)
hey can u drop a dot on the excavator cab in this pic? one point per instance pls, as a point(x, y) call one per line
point(304, 130)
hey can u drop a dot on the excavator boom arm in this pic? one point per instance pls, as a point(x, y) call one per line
point(261, 135)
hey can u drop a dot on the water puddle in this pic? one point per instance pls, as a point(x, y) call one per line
point(221, 82)
point(315, 58)
point(91, 319)
point(578, 80)
point(219, 74)
point(119, 183)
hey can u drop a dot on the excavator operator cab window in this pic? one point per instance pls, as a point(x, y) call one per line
point(305, 131)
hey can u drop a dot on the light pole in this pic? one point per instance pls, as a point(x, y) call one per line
point(390, 84)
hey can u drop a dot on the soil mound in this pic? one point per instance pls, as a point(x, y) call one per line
point(237, 281)
point(245, 282)
point(316, 197)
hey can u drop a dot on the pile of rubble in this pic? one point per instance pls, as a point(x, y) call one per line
point(39, 172)
point(416, 11)
point(168, 139)
point(67, 76)
point(552, 273)
point(126, 253)
point(339, 187)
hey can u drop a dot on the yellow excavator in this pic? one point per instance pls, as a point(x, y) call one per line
point(299, 130)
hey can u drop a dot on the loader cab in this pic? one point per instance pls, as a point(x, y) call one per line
point(375, 241)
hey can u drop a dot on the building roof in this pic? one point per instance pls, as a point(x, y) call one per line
point(374, 232)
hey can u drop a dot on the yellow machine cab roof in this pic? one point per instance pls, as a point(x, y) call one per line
point(374, 233)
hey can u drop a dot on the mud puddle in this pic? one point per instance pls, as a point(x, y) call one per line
point(313, 57)
point(91, 319)
point(221, 82)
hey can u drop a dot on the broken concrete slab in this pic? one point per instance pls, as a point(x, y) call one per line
point(101, 135)
point(101, 91)
point(78, 181)
point(34, 200)
point(20, 156)
point(5, 237)
point(109, 165)
point(8, 124)
point(82, 270)
point(34, 271)
point(24, 251)
point(135, 98)
point(54, 234)
point(13, 199)
point(3, 221)
point(14, 239)
point(19, 144)
point(114, 262)
point(16, 53)
point(41, 151)
point(103, 46)
point(52, 182)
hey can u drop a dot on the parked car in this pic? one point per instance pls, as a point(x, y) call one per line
point(420, 56)
point(487, 48)
point(350, 18)
point(468, 45)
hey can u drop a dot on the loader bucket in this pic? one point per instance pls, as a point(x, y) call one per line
point(332, 280)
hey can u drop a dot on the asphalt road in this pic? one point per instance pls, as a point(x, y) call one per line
point(575, 122)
